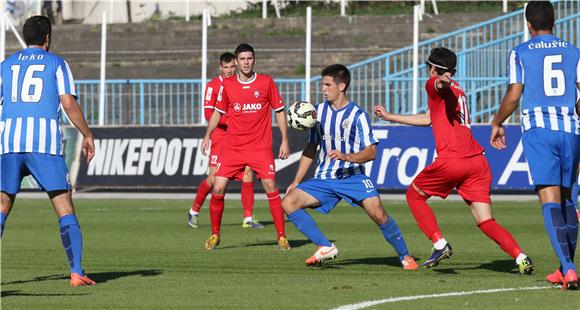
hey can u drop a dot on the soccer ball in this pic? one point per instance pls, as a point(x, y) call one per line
point(301, 115)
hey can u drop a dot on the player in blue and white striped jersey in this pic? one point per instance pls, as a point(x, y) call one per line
point(344, 134)
point(34, 84)
point(546, 71)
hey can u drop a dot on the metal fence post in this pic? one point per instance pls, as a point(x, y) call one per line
point(142, 103)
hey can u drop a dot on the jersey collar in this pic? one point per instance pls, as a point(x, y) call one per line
point(249, 81)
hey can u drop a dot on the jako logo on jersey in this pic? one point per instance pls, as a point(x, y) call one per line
point(237, 107)
point(252, 107)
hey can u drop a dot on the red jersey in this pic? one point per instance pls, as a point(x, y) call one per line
point(211, 94)
point(248, 106)
point(451, 121)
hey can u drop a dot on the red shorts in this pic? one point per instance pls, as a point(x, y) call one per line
point(214, 152)
point(231, 162)
point(214, 155)
point(470, 176)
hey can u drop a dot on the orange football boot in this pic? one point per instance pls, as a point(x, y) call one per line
point(555, 277)
point(570, 280)
point(78, 280)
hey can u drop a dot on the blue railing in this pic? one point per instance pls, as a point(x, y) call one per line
point(482, 51)
point(157, 102)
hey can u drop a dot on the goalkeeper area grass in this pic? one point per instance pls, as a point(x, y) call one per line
point(143, 255)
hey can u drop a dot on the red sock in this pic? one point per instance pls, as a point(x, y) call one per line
point(202, 192)
point(248, 198)
point(216, 210)
point(277, 213)
point(501, 236)
point(423, 214)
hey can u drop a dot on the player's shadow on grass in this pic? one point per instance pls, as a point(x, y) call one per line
point(388, 261)
point(503, 266)
point(21, 293)
point(293, 244)
point(99, 277)
point(265, 223)
point(102, 277)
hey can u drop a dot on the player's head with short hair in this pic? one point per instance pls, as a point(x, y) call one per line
point(244, 47)
point(36, 29)
point(442, 60)
point(227, 64)
point(227, 57)
point(339, 73)
point(245, 59)
point(540, 15)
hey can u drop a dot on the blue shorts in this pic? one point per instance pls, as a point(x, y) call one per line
point(49, 171)
point(329, 192)
point(552, 156)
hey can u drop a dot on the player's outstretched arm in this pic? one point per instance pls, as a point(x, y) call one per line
point(212, 124)
point(367, 154)
point(75, 114)
point(508, 105)
point(303, 165)
point(423, 119)
point(285, 145)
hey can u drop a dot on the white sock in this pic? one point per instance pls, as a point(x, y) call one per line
point(440, 244)
point(248, 219)
point(520, 258)
point(193, 213)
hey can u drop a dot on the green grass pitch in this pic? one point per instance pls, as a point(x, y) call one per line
point(144, 256)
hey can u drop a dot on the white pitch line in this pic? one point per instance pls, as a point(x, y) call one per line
point(371, 303)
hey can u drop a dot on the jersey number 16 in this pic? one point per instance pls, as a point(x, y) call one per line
point(31, 86)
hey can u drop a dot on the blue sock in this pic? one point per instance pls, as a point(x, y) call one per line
point(3, 218)
point(558, 234)
point(575, 190)
point(572, 227)
point(72, 241)
point(393, 234)
point(307, 226)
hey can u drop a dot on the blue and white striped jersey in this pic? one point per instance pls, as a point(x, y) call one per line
point(31, 82)
point(347, 130)
point(549, 68)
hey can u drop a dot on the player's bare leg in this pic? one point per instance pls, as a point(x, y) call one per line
point(294, 204)
point(390, 231)
point(425, 218)
point(71, 237)
point(560, 224)
point(6, 203)
point(482, 214)
point(249, 220)
point(216, 210)
point(275, 203)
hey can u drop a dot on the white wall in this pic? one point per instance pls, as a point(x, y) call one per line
point(90, 11)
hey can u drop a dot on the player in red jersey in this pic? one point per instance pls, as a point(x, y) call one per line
point(227, 69)
point(248, 99)
point(460, 163)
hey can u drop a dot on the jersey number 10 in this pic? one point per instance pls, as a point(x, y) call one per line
point(550, 74)
point(29, 84)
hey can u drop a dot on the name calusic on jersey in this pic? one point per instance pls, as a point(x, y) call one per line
point(542, 44)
